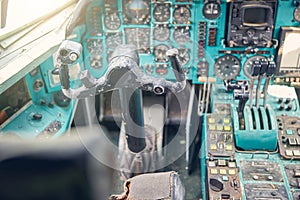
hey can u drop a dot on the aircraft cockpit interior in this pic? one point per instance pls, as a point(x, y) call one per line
point(150, 99)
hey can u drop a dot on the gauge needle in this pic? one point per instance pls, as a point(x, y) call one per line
point(211, 8)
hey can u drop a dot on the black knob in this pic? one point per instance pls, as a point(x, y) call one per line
point(51, 104)
point(288, 100)
point(289, 107)
point(281, 106)
point(216, 185)
point(37, 116)
point(43, 102)
point(284, 139)
point(280, 100)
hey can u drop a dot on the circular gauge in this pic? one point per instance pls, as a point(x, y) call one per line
point(139, 37)
point(161, 33)
point(137, 12)
point(249, 64)
point(94, 46)
point(112, 21)
point(183, 56)
point(211, 10)
point(181, 35)
point(297, 14)
point(113, 40)
point(96, 62)
point(160, 53)
point(148, 69)
point(161, 69)
point(38, 85)
point(227, 67)
point(202, 68)
point(162, 12)
point(182, 15)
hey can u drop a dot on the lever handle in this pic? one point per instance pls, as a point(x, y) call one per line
point(64, 76)
point(179, 74)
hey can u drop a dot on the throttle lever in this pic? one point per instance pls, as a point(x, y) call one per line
point(68, 53)
point(64, 76)
point(179, 74)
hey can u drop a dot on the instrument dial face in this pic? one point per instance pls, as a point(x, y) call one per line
point(227, 67)
point(148, 69)
point(139, 37)
point(137, 12)
point(211, 10)
point(249, 64)
point(160, 53)
point(161, 33)
point(182, 15)
point(112, 21)
point(182, 35)
point(183, 56)
point(297, 14)
point(96, 62)
point(94, 46)
point(202, 68)
point(113, 40)
point(162, 12)
point(161, 69)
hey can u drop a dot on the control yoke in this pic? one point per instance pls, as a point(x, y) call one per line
point(123, 72)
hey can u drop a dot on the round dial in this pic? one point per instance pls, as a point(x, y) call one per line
point(181, 35)
point(297, 14)
point(160, 53)
point(249, 64)
point(227, 67)
point(162, 12)
point(112, 21)
point(202, 68)
point(182, 15)
point(96, 62)
point(148, 69)
point(211, 10)
point(183, 56)
point(94, 46)
point(139, 37)
point(161, 33)
point(137, 12)
point(161, 69)
point(113, 40)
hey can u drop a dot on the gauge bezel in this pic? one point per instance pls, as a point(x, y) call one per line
point(220, 72)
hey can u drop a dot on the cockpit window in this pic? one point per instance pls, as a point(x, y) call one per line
point(21, 13)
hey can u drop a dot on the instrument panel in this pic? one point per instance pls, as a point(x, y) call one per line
point(232, 51)
point(235, 54)
point(34, 107)
point(153, 27)
point(205, 32)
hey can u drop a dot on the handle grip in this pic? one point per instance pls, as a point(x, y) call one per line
point(179, 74)
point(64, 76)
